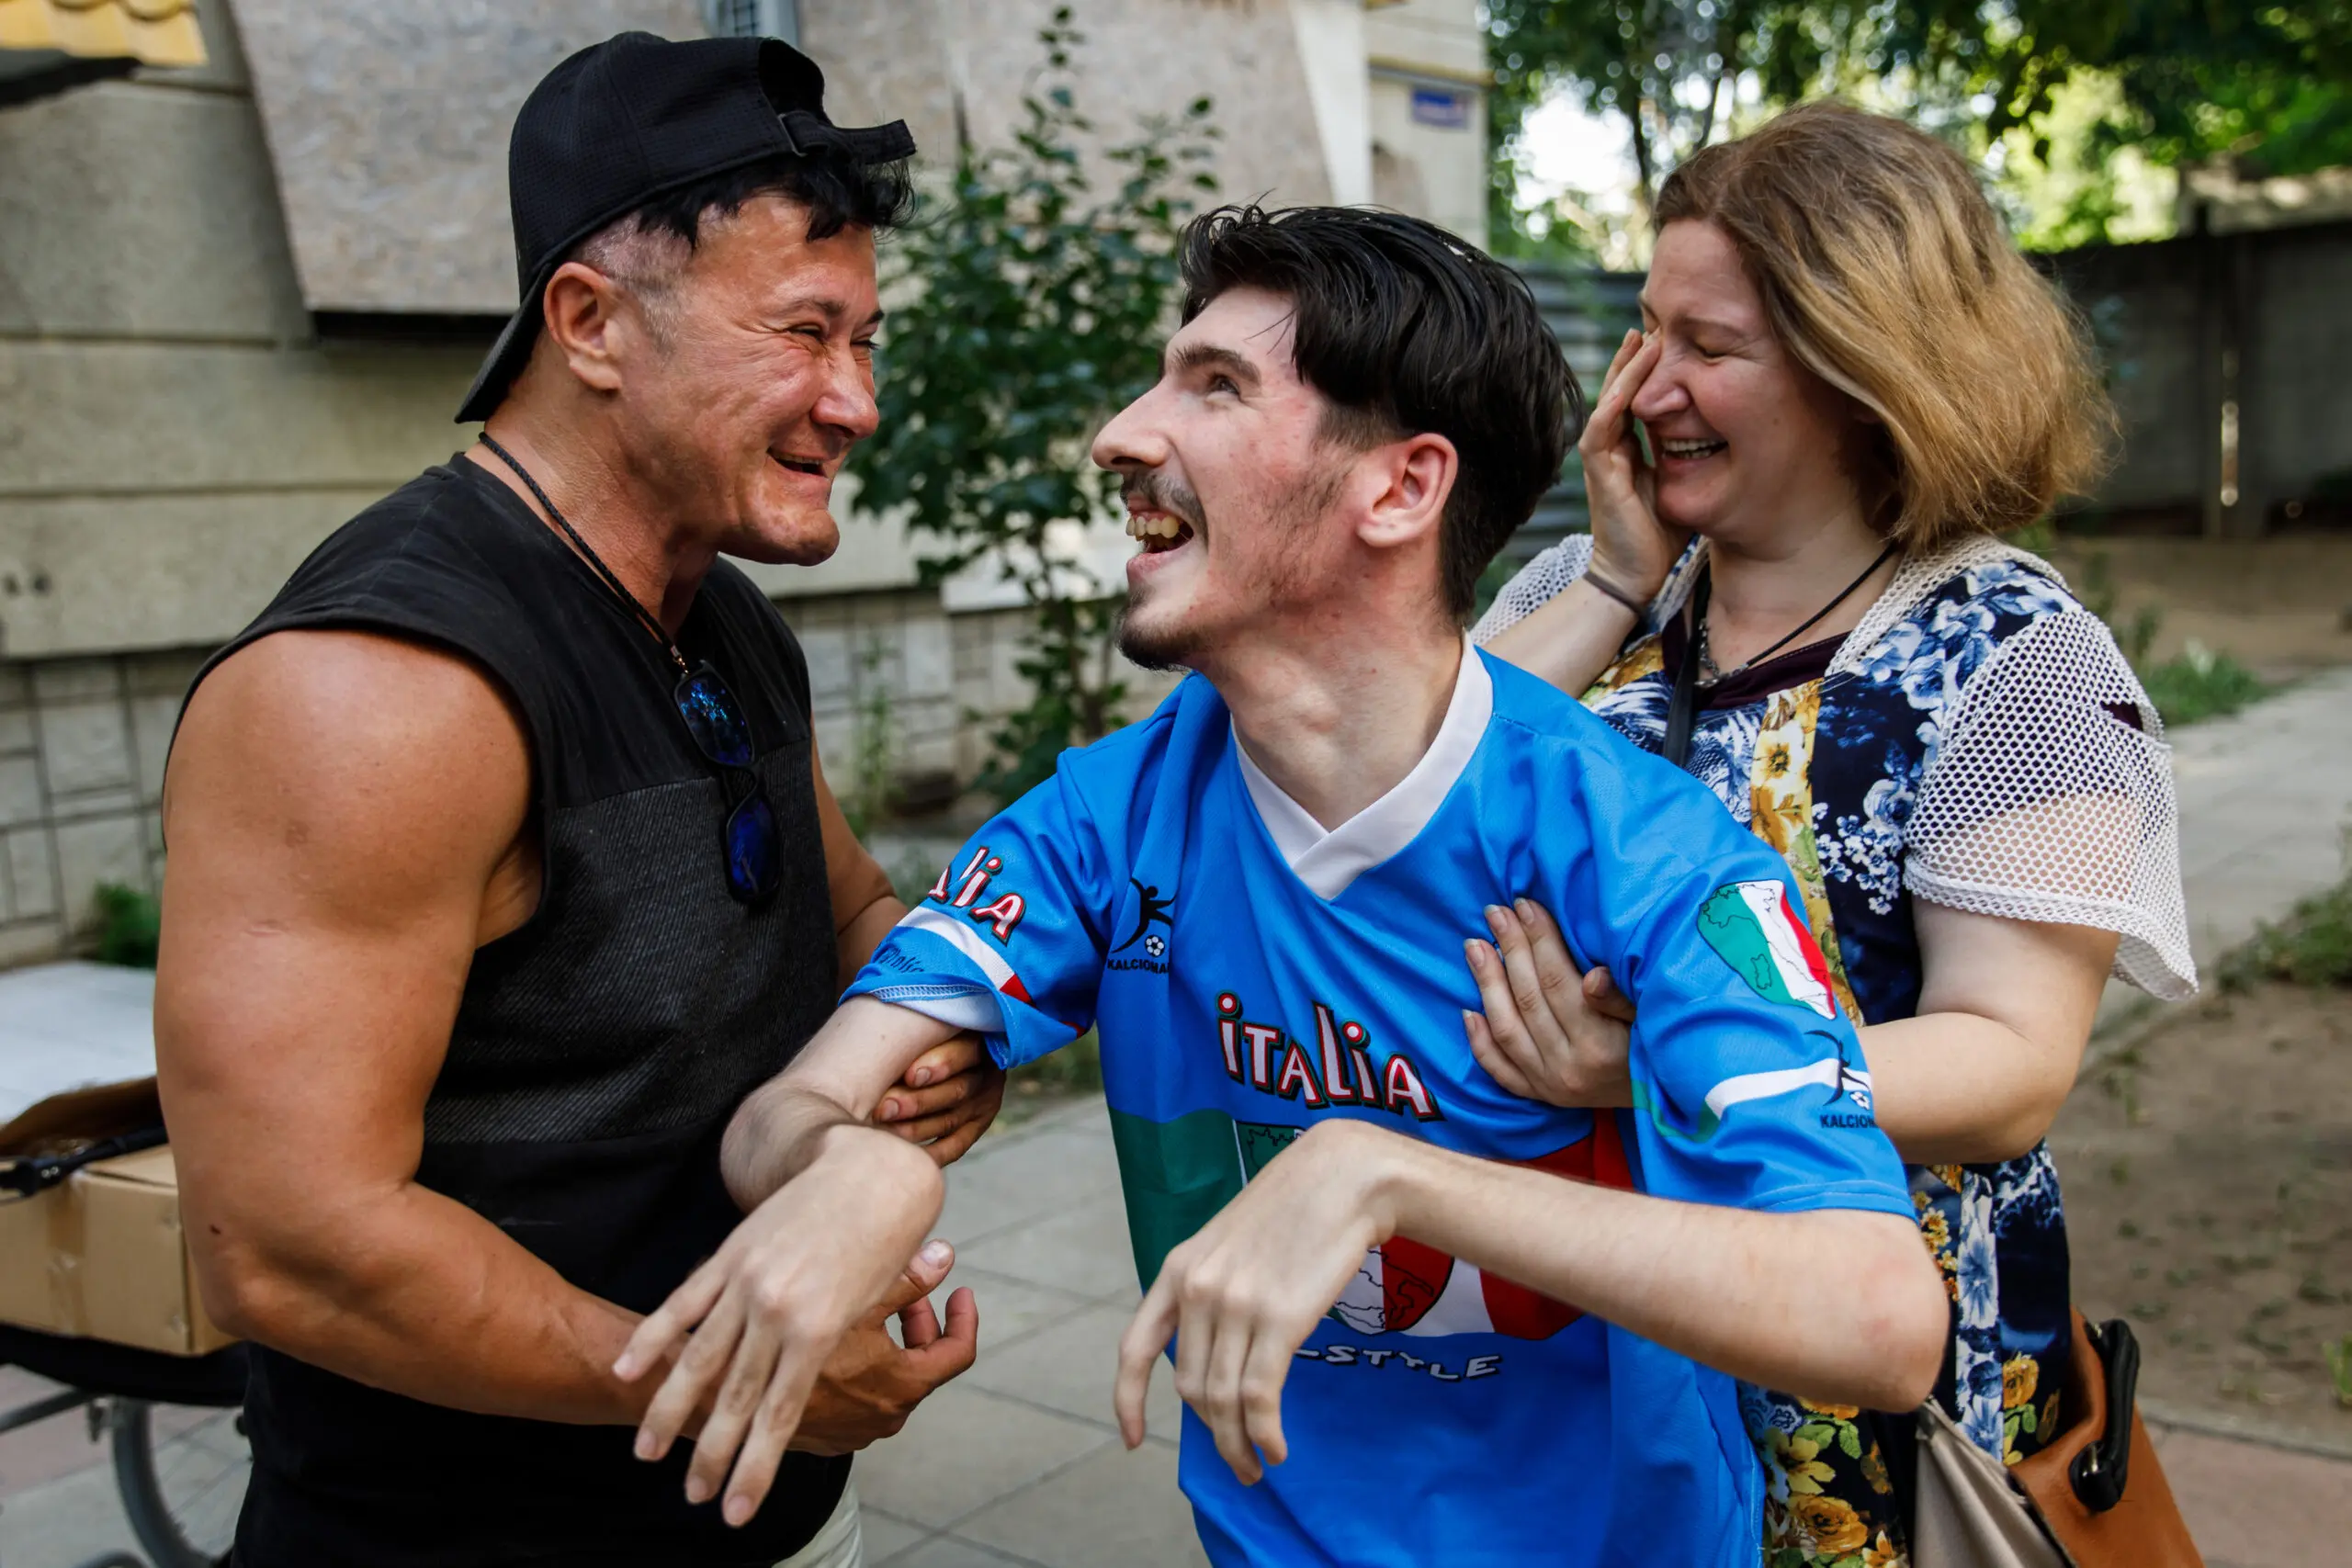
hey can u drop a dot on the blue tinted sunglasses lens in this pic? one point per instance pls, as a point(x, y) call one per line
point(713, 719)
point(752, 868)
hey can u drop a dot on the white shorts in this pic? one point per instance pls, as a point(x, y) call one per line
point(840, 1544)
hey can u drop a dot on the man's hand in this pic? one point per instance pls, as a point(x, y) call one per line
point(947, 1100)
point(1242, 1295)
point(766, 1313)
point(872, 1384)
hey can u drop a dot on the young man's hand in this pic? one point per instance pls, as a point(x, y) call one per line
point(752, 1328)
point(1249, 1286)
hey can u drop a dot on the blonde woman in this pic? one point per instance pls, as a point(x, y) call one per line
point(1851, 387)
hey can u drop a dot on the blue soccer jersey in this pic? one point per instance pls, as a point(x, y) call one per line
point(1251, 973)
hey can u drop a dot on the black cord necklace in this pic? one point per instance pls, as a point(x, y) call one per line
point(751, 844)
point(1711, 676)
point(604, 573)
point(1682, 706)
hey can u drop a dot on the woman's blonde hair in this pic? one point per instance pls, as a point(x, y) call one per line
point(1886, 272)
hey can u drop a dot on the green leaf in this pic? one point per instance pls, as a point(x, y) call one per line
point(1849, 1440)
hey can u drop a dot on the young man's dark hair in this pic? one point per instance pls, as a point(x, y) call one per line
point(1408, 329)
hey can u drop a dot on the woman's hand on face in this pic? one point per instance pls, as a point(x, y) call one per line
point(1550, 1032)
point(1631, 546)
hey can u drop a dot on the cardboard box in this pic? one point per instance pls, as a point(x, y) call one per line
point(102, 1257)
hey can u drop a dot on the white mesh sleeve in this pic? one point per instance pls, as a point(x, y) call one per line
point(2043, 802)
point(1534, 585)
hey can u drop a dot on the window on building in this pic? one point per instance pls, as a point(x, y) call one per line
point(753, 18)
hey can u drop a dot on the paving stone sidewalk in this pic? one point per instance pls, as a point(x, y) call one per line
point(2266, 803)
point(1019, 1462)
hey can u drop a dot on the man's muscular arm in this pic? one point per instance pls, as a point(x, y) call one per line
point(345, 815)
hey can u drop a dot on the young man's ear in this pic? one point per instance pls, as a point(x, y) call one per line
point(1418, 473)
point(580, 308)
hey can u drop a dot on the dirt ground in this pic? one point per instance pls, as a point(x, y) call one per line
point(2208, 1177)
point(2281, 605)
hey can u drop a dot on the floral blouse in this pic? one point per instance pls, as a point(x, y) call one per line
point(1836, 767)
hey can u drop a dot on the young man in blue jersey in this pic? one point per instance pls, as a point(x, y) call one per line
point(1416, 1319)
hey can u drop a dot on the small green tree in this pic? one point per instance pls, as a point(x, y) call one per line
point(1035, 311)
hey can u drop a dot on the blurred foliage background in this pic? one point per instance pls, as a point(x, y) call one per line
point(2082, 110)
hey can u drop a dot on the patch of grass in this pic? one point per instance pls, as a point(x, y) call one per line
point(2339, 1369)
point(2313, 946)
point(2201, 683)
point(130, 922)
point(2197, 683)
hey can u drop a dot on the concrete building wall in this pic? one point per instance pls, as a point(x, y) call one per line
point(1426, 62)
point(173, 436)
point(390, 122)
point(82, 748)
point(917, 60)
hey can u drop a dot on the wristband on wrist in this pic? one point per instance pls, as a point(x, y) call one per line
point(1640, 607)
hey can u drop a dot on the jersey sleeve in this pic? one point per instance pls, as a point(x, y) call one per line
point(1749, 1086)
point(1009, 941)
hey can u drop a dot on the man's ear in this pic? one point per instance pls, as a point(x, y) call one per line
point(1418, 473)
point(581, 309)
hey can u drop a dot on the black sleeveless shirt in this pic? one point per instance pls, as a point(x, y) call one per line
point(598, 1052)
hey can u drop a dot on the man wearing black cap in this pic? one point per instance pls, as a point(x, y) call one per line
point(502, 867)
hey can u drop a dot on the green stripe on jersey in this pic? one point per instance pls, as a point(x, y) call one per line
point(1176, 1175)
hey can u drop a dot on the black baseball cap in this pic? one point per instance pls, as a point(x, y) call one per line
point(625, 119)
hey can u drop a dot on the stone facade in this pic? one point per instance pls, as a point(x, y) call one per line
point(82, 748)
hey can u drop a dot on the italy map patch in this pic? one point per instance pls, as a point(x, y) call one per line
point(1754, 928)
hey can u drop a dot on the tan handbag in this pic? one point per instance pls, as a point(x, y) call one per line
point(2094, 1498)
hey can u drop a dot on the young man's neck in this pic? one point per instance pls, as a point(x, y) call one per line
point(1337, 725)
point(655, 555)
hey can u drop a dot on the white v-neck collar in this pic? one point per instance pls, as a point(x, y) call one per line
point(1329, 860)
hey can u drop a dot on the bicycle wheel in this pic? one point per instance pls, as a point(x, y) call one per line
point(181, 1488)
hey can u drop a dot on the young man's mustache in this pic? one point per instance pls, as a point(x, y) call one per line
point(1147, 487)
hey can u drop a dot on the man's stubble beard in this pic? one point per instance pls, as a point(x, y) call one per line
point(1295, 513)
point(1138, 646)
